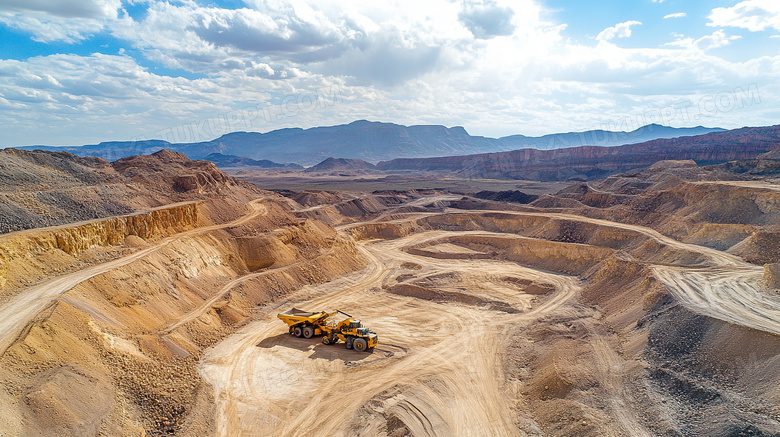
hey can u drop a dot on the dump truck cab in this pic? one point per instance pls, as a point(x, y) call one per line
point(354, 334)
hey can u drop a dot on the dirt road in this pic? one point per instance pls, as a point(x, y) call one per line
point(22, 309)
point(431, 359)
point(730, 289)
point(726, 288)
point(744, 184)
point(734, 294)
point(437, 368)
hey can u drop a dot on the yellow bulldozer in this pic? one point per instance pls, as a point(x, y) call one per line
point(350, 331)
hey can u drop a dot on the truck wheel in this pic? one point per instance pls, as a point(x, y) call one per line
point(325, 340)
point(308, 332)
point(348, 343)
point(297, 331)
point(360, 344)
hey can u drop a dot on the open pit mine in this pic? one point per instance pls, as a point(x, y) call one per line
point(142, 297)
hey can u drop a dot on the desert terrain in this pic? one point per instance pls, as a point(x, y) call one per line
point(641, 304)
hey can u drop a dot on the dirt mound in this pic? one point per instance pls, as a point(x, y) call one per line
point(587, 195)
point(761, 247)
point(341, 164)
point(665, 165)
point(39, 189)
point(506, 196)
point(772, 276)
point(561, 257)
point(26, 170)
point(531, 287)
point(310, 198)
point(173, 171)
point(711, 369)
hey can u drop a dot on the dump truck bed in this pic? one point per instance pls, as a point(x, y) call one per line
point(294, 316)
point(295, 312)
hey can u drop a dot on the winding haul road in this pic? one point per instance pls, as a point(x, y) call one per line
point(19, 311)
point(437, 368)
point(430, 360)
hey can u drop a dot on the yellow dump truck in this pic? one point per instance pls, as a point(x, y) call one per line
point(350, 331)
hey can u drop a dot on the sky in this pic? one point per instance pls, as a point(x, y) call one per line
point(76, 72)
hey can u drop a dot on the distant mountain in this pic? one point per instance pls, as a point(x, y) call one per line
point(588, 162)
point(369, 141)
point(223, 161)
point(341, 164)
point(372, 142)
point(602, 138)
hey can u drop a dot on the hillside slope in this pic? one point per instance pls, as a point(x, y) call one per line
point(39, 188)
point(103, 322)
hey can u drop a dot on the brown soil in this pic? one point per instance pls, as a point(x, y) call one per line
point(632, 307)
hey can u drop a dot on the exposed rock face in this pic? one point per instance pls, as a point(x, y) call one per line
point(593, 162)
point(114, 230)
point(772, 275)
point(175, 170)
point(20, 248)
point(767, 164)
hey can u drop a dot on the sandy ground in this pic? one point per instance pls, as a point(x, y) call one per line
point(728, 289)
point(438, 366)
point(444, 358)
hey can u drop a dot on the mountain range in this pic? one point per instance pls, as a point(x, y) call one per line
point(589, 162)
point(371, 142)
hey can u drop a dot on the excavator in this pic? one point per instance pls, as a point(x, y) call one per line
point(350, 331)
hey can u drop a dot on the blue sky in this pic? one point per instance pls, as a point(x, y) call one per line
point(84, 71)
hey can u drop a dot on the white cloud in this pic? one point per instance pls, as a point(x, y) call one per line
point(47, 29)
point(65, 9)
point(66, 21)
point(494, 66)
point(715, 40)
point(620, 30)
point(675, 15)
point(754, 15)
point(370, 43)
point(487, 19)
